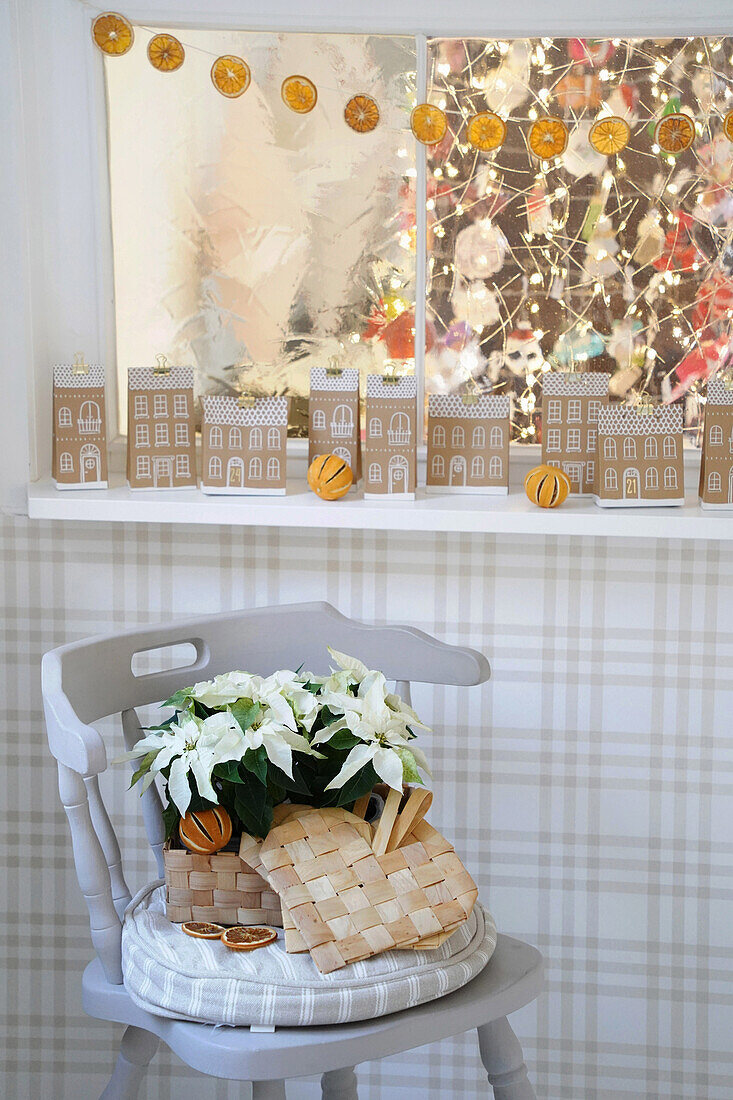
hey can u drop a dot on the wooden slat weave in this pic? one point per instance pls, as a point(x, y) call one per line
point(220, 887)
point(346, 902)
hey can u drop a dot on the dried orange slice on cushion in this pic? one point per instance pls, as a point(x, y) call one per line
point(674, 133)
point(240, 938)
point(486, 131)
point(165, 53)
point(728, 125)
point(428, 123)
point(113, 33)
point(230, 75)
point(361, 113)
point(203, 930)
point(609, 135)
point(299, 94)
point(548, 137)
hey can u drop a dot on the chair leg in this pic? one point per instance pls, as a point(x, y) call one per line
point(268, 1090)
point(136, 1052)
point(503, 1061)
point(339, 1084)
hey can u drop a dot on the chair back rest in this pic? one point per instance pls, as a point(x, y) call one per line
point(88, 680)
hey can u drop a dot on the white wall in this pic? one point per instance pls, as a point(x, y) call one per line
point(589, 784)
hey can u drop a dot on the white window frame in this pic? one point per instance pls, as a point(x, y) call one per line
point(575, 410)
point(554, 410)
point(55, 214)
point(573, 443)
point(182, 436)
point(160, 406)
point(180, 404)
point(162, 435)
point(554, 439)
point(142, 434)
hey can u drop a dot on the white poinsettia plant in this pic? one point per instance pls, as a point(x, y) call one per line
point(249, 742)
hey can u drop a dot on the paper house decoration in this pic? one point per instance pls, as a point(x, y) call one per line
point(571, 402)
point(79, 458)
point(244, 447)
point(161, 452)
point(716, 467)
point(640, 457)
point(468, 444)
point(333, 416)
point(390, 443)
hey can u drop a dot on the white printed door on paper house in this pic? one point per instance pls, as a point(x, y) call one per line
point(390, 443)
point(244, 446)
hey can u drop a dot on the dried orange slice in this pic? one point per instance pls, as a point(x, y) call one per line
point(728, 125)
point(230, 75)
point(203, 930)
point(609, 135)
point(486, 131)
point(113, 33)
point(361, 113)
point(165, 53)
point(240, 938)
point(674, 133)
point(428, 123)
point(548, 137)
point(299, 94)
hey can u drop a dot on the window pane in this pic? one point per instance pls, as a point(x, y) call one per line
point(250, 241)
point(620, 262)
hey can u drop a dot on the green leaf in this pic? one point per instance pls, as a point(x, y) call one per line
point(312, 688)
point(244, 713)
point(359, 784)
point(299, 783)
point(255, 761)
point(144, 766)
point(164, 726)
point(342, 741)
point(253, 807)
point(179, 698)
point(228, 771)
point(410, 774)
point(171, 817)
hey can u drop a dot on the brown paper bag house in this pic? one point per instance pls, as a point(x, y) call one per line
point(79, 426)
point(333, 415)
point(468, 443)
point(244, 445)
point(571, 403)
point(161, 451)
point(640, 461)
point(390, 443)
point(716, 467)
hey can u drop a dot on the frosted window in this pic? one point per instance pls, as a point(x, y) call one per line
point(251, 241)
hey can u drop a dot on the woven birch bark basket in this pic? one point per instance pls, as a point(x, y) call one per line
point(219, 887)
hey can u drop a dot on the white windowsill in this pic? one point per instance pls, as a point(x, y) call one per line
point(299, 508)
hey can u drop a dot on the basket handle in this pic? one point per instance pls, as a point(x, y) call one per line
point(417, 805)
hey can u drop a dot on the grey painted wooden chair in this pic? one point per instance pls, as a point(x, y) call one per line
point(86, 681)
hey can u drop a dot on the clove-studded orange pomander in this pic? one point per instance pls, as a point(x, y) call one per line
point(206, 831)
point(330, 477)
point(546, 486)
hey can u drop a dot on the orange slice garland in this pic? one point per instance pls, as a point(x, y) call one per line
point(486, 131)
point(299, 94)
point(674, 133)
point(609, 135)
point(112, 33)
point(165, 53)
point(203, 930)
point(728, 125)
point(361, 113)
point(548, 137)
point(240, 938)
point(428, 123)
point(231, 76)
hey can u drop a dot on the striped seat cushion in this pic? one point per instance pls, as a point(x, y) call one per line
point(171, 974)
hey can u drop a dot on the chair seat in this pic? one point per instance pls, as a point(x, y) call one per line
point(512, 978)
point(170, 974)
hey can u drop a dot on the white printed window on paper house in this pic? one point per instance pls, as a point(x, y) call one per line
point(334, 416)
point(640, 457)
point(573, 401)
point(716, 468)
point(79, 457)
point(244, 446)
point(468, 443)
point(160, 418)
point(390, 446)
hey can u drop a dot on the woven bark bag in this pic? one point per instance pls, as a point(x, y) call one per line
point(220, 887)
point(352, 892)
